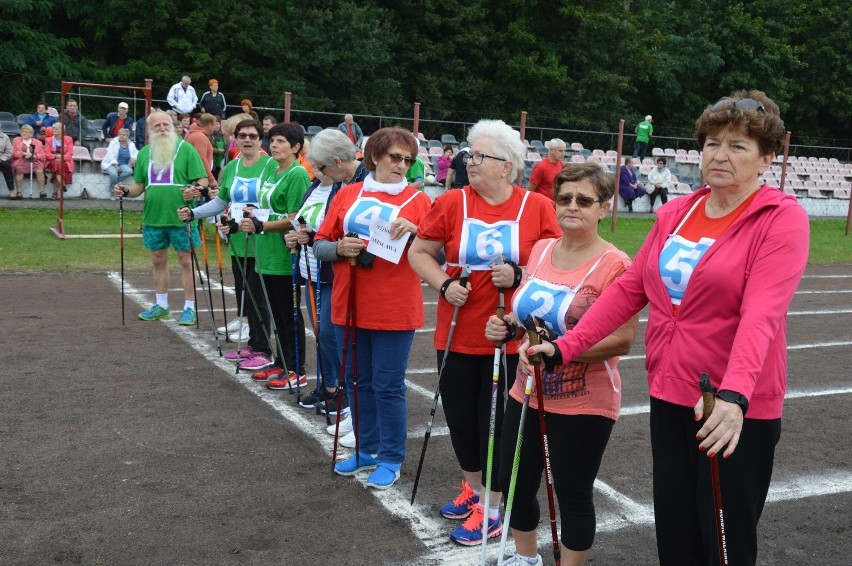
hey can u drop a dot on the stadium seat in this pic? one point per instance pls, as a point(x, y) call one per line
point(464, 145)
point(694, 152)
point(533, 156)
point(657, 151)
point(435, 143)
point(436, 151)
point(449, 139)
point(81, 153)
point(536, 144)
point(313, 130)
point(585, 152)
point(813, 192)
point(22, 118)
point(577, 146)
point(841, 193)
point(98, 154)
point(669, 152)
point(421, 137)
point(681, 189)
point(612, 154)
point(578, 159)
point(598, 153)
point(10, 128)
point(422, 151)
point(543, 151)
point(680, 152)
point(7, 117)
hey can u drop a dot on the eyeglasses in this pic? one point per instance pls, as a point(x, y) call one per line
point(741, 104)
point(582, 200)
point(396, 158)
point(478, 158)
point(252, 137)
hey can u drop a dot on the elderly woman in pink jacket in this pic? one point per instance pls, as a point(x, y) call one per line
point(27, 159)
point(59, 158)
point(718, 270)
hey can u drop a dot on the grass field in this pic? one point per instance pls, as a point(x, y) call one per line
point(26, 244)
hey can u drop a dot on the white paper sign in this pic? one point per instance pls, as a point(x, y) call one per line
point(237, 209)
point(381, 243)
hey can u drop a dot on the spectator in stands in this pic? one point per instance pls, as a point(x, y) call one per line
point(443, 165)
point(199, 136)
point(120, 159)
point(416, 173)
point(75, 124)
point(59, 158)
point(27, 159)
point(644, 130)
point(140, 133)
point(659, 182)
point(268, 122)
point(628, 184)
point(213, 101)
point(352, 129)
point(541, 180)
point(40, 120)
point(248, 109)
point(182, 97)
point(115, 121)
point(6, 162)
point(185, 121)
point(457, 174)
point(217, 138)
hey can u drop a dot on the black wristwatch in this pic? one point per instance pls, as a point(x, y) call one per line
point(733, 397)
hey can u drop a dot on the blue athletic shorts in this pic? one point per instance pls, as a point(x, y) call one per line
point(156, 238)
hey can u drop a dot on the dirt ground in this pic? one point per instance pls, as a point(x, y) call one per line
point(136, 445)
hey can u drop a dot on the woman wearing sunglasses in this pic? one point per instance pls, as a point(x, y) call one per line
point(388, 299)
point(582, 398)
point(489, 226)
point(718, 270)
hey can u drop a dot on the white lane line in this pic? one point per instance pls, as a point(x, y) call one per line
point(839, 481)
point(827, 277)
point(824, 292)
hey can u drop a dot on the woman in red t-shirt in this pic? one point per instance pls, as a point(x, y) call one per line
point(388, 299)
point(489, 219)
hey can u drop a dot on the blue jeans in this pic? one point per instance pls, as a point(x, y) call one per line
point(639, 149)
point(328, 370)
point(382, 360)
point(124, 171)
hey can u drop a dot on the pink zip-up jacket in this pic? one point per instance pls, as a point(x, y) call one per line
point(732, 319)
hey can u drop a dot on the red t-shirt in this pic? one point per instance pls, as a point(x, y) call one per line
point(543, 174)
point(444, 224)
point(388, 296)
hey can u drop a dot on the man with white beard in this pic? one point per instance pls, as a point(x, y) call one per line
point(164, 170)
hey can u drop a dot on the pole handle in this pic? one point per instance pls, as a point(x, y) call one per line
point(708, 393)
point(534, 338)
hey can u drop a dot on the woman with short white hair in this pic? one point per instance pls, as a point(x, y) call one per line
point(120, 159)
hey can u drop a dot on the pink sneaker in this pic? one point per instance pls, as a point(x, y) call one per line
point(256, 362)
point(243, 353)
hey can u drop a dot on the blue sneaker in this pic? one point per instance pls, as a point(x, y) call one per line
point(385, 476)
point(187, 318)
point(155, 313)
point(469, 533)
point(462, 506)
point(349, 467)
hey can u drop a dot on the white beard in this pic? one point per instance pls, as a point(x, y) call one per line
point(163, 146)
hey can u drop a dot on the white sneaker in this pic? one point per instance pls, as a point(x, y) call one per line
point(516, 560)
point(345, 427)
point(348, 441)
point(233, 326)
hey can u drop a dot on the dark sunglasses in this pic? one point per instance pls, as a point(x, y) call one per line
point(396, 158)
point(582, 200)
point(742, 104)
point(251, 137)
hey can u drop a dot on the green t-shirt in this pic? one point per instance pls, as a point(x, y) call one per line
point(416, 172)
point(164, 189)
point(241, 184)
point(643, 131)
point(281, 193)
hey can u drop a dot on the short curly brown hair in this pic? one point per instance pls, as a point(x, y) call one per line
point(766, 127)
point(603, 182)
point(382, 140)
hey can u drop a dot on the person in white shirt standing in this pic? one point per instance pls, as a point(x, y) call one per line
point(182, 97)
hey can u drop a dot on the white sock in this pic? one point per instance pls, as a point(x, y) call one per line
point(527, 559)
point(493, 512)
point(189, 305)
point(163, 300)
point(476, 492)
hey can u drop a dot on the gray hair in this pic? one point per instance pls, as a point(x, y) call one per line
point(507, 142)
point(328, 144)
point(554, 143)
point(124, 131)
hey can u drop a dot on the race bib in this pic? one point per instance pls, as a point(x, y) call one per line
point(677, 262)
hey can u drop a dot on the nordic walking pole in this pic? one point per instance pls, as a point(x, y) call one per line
point(516, 460)
point(243, 268)
point(463, 282)
point(209, 286)
point(348, 332)
point(222, 284)
point(708, 393)
point(294, 262)
point(121, 245)
point(530, 325)
point(31, 170)
point(197, 266)
point(495, 379)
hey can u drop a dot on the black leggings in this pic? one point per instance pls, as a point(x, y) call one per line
point(466, 397)
point(280, 289)
point(577, 444)
point(684, 512)
point(257, 339)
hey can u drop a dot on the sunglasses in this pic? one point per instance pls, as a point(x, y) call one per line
point(582, 200)
point(252, 137)
point(396, 158)
point(741, 104)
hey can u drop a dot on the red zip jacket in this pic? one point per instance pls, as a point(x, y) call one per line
point(732, 320)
